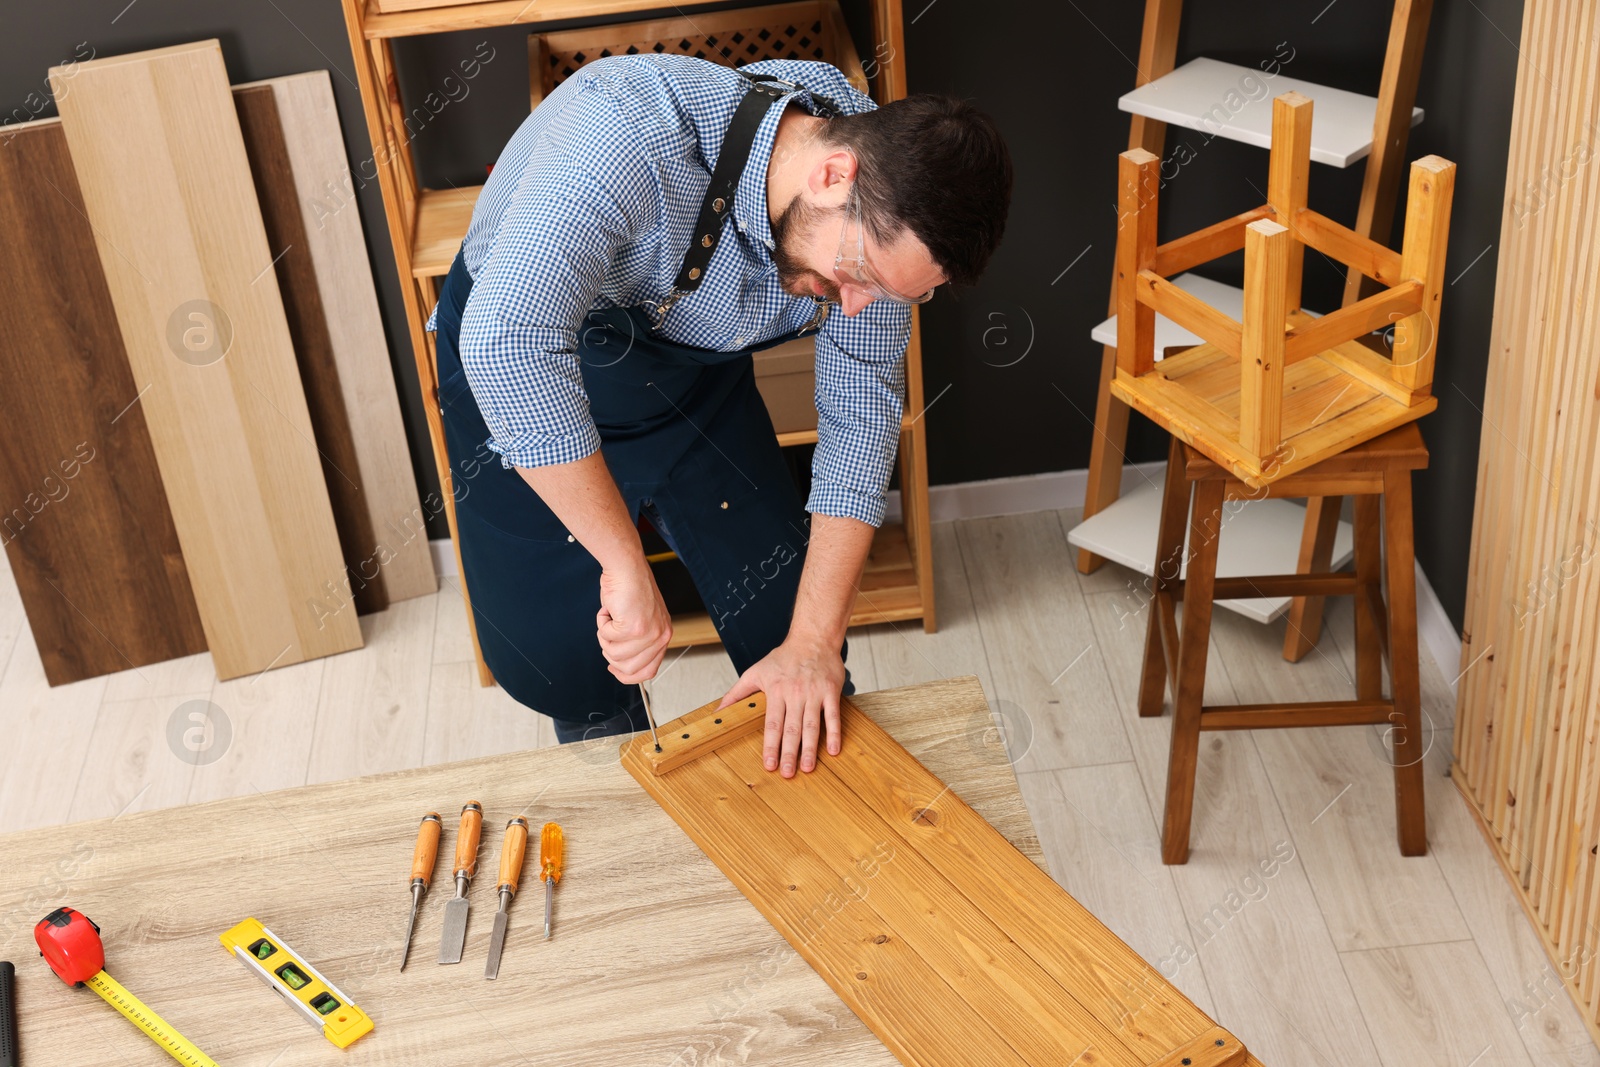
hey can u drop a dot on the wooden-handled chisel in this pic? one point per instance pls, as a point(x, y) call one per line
point(512, 851)
point(454, 938)
point(422, 859)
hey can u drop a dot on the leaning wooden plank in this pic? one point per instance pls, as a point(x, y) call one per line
point(166, 184)
point(291, 131)
point(86, 525)
point(976, 913)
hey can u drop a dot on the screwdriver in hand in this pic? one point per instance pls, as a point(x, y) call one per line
point(551, 847)
point(422, 858)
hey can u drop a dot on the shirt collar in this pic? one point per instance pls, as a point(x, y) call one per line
point(750, 196)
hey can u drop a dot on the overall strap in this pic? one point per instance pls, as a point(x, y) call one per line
point(765, 90)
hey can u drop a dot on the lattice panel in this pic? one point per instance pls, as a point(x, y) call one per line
point(732, 48)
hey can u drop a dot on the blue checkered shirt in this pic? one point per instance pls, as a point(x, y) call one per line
point(591, 205)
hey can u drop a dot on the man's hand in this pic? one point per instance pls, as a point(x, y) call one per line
point(632, 624)
point(802, 680)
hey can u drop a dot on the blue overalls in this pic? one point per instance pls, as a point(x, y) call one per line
point(689, 442)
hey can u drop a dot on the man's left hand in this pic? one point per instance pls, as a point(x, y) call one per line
point(802, 681)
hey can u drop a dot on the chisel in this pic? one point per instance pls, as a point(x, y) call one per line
point(454, 938)
point(422, 859)
point(512, 850)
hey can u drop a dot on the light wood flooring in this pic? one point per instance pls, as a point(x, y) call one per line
point(1342, 952)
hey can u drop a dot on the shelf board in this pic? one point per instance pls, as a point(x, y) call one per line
point(425, 18)
point(1261, 537)
point(888, 591)
point(443, 216)
point(1196, 94)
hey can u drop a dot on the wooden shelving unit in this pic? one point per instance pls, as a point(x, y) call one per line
point(426, 227)
point(1349, 127)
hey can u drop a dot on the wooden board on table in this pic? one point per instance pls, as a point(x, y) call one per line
point(88, 531)
point(157, 149)
point(640, 912)
point(291, 132)
point(949, 943)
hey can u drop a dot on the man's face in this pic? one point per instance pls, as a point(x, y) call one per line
point(806, 245)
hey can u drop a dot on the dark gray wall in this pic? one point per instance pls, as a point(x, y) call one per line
point(1014, 351)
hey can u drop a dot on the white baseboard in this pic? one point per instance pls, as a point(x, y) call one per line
point(1065, 489)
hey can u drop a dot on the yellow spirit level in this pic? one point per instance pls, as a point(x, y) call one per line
point(318, 1000)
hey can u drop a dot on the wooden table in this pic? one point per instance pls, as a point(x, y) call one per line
point(657, 959)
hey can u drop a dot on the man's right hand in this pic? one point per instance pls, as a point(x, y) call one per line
point(633, 624)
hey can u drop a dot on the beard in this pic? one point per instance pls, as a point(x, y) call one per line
point(795, 226)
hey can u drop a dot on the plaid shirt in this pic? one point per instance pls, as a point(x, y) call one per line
point(591, 205)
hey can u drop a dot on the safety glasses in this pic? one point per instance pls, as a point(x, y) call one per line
point(853, 269)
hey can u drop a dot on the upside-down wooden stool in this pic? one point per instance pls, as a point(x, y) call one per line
point(1385, 629)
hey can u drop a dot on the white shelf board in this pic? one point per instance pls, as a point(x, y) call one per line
point(1258, 537)
point(1213, 97)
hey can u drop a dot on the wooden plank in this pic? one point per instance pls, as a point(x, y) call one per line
point(705, 730)
point(1202, 246)
point(1367, 257)
point(1028, 1009)
point(1427, 240)
point(202, 319)
point(1138, 189)
point(1161, 297)
point(922, 832)
point(1288, 176)
point(383, 528)
point(1268, 297)
point(1376, 312)
point(89, 534)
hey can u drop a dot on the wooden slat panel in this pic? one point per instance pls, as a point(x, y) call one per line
point(156, 145)
point(87, 528)
point(297, 154)
point(1527, 699)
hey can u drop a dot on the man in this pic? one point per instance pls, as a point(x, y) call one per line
point(653, 222)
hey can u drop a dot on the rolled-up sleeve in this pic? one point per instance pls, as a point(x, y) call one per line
point(588, 191)
point(861, 382)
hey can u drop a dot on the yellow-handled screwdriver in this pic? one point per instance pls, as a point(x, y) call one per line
point(551, 847)
point(422, 859)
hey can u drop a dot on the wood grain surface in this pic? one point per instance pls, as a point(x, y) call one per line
point(166, 183)
point(927, 922)
point(291, 131)
point(85, 519)
point(656, 958)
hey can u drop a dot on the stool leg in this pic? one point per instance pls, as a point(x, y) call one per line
point(1403, 671)
point(1316, 554)
point(1368, 598)
point(1205, 528)
point(1160, 650)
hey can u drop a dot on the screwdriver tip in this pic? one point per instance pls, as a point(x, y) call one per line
point(658, 746)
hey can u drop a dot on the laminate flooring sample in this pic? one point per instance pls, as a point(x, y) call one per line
point(85, 518)
point(166, 183)
point(297, 155)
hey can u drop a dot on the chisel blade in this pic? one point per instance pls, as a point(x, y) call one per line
point(497, 941)
point(454, 938)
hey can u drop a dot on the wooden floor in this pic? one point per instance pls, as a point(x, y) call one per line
point(1296, 923)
